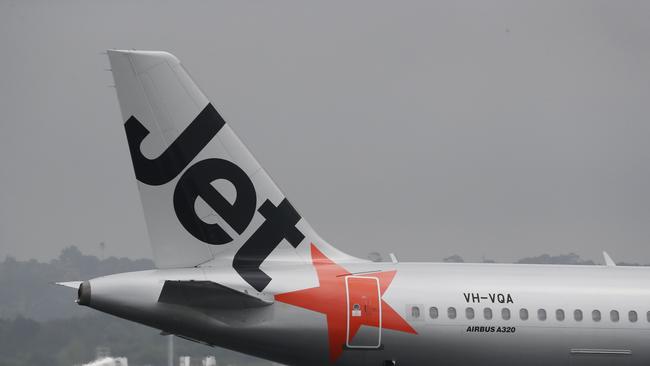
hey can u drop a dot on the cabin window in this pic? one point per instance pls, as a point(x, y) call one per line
point(595, 315)
point(541, 314)
point(648, 315)
point(415, 312)
point(433, 312)
point(523, 314)
point(632, 316)
point(487, 313)
point(451, 313)
point(469, 313)
point(613, 315)
point(559, 314)
point(505, 313)
point(577, 315)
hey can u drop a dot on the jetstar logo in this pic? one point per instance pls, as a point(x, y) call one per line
point(330, 298)
point(195, 182)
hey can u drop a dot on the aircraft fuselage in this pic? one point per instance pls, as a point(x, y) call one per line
point(445, 331)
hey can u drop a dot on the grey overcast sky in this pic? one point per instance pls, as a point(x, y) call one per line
point(484, 128)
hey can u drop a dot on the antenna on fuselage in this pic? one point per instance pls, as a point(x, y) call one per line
point(608, 260)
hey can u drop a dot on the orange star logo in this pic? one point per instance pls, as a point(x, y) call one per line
point(330, 298)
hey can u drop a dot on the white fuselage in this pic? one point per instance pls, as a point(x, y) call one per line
point(293, 335)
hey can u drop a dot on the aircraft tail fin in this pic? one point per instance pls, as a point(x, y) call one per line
point(203, 193)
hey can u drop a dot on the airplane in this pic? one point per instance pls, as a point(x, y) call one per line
point(238, 267)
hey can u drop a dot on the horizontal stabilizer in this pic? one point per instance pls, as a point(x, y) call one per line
point(210, 294)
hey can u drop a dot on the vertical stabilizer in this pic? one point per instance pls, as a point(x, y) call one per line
point(204, 195)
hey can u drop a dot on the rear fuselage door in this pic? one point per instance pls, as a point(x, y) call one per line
point(363, 312)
